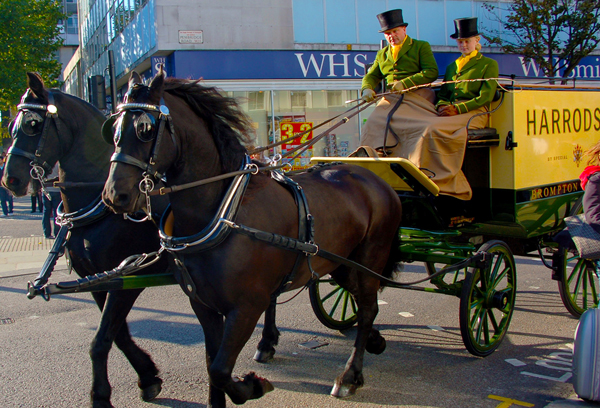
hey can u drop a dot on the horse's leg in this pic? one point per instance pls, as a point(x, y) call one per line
point(352, 378)
point(270, 336)
point(113, 327)
point(212, 325)
point(239, 325)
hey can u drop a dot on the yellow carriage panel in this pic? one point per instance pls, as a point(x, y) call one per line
point(551, 128)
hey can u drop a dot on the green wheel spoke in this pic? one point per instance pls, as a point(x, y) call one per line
point(592, 276)
point(497, 263)
point(336, 303)
point(479, 318)
point(330, 294)
point(577, 287)
point(500, 277)
point(493, 321)
point(486, 327)
point(345, 305)
point(574, 274)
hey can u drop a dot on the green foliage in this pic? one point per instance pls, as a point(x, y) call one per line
point(555, 34)
point(29, 35)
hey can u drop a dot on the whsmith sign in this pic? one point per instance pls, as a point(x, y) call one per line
point(300, 64)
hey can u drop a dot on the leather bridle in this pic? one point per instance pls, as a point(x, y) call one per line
point(39, 167)
point(164, 117)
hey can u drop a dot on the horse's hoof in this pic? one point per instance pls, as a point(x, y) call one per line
point(376, 344)
point(102, 404)
point(343, 390)
point(261, 385)
point(262, 356)
point(152, 391)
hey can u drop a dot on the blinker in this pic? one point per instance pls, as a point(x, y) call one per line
point(29, 122)
point(145, 126)
point(107, 131)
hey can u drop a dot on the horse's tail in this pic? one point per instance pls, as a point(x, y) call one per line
point(390, 267)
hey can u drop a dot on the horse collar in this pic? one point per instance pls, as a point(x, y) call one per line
point(218, 229)
point(85, 216)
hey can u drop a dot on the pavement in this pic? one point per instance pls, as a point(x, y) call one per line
point(23, 252)
point(23, 247)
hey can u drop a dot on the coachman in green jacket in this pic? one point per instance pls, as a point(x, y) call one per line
point(403, 63)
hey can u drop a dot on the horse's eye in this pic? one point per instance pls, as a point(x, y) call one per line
point(144, 127)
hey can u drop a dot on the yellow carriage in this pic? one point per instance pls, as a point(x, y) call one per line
point(524, 171)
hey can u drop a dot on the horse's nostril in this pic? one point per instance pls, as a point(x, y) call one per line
point(12, 181)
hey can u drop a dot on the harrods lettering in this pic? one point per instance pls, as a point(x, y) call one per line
point(557, 121)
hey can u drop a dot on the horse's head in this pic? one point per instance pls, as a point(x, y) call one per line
point(31, 152)
point(200, 134)
point(145, 147)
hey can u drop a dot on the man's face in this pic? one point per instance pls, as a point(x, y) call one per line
point(395, 36)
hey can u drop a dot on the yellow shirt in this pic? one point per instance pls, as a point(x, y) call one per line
point(463, 59)
point(396, 49)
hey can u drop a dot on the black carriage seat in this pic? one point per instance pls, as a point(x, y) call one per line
point(487, 136)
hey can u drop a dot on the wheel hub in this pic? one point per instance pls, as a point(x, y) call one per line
point(498, 300)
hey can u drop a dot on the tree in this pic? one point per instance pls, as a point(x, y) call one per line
point(29, 35)
point(555, 34)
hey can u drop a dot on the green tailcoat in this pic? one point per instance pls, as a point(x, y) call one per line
point(415, 65)
point(467, 96)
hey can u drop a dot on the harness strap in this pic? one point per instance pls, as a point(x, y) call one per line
point(127, 159)
point(478, 260)
point(305, 227)
point(19, 152)
point(55, 253)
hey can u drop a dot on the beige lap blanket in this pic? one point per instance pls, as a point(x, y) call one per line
point(432, 142)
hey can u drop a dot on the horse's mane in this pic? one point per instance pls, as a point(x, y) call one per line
point(231, 128)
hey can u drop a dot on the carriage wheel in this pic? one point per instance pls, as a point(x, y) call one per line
point(487, 300)
point(578, 285)
point(333, 305)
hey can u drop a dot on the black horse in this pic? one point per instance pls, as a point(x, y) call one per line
point(64, 128)
point(216, 231)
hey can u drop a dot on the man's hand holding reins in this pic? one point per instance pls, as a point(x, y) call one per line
point(447, 110)
point(368, 95)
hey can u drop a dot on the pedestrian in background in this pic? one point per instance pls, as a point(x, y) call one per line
point(6, 198)
point(36, 200)
point(50, 206)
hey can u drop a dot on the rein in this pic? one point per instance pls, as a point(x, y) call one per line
point(297, 135)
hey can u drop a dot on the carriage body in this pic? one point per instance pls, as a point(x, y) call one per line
point(524, 187)
point(525, 181)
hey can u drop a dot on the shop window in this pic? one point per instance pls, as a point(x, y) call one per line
point(256, 100)
point(298, 99)
point(334, 98)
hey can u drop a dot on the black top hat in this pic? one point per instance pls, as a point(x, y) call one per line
point(465, 28)
point(391, 19)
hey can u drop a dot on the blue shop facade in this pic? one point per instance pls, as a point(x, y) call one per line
point(308, 87)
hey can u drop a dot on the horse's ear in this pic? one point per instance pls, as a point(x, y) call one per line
point(134, 78)
point(35, 83)
point(157, 85)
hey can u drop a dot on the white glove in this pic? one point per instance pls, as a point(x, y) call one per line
point(397, 86)
point(368, 95)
